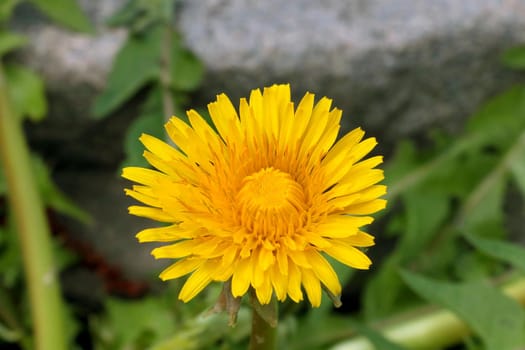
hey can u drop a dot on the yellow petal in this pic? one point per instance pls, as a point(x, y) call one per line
point(324, 271)
point(264, 291)
point(197, 281)
point(181, 268)
point(311, 286)
point(160, 148)
point(142, 175)
point(349, 255)
point(177, 250)
point(366, 208)
point(241, 277)
point(361, 239)
point(338, 226)
point(294, 282)
point(148, 200)
point(226, 120)
point(279, 282)
point(150, 213)
point(164, 234)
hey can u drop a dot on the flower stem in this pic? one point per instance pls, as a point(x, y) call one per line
point(32, 228)
point(263, 334)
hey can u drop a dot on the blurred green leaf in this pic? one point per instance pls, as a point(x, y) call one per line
point(501, 119)
point(483, 210)
point(376, 303)
point(139, 15)
point(10, 41)
point(10, 258)
point(52, 196)
point(514, 57)
point(6, 9)
point(511, 253)
point(150, 121)
point(497, 319)
point(26, 91)
point(137, 324)
point(375, 337)
point(187, 70)
point(136, 65)
point(425, 212)
point(126, 14)
point(65, 12)
point(517, 169)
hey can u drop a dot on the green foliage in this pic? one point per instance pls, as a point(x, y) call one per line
point(514, 57)
point(52, 196)
point(6, 9)
point(497, 319)
point(66, 12)
point(10, 41)
point(502, 250)
point(26, 90)
point(153, 60)
point(135, 65)
point(186, 70)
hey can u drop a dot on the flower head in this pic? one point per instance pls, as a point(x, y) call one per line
point(261, 200)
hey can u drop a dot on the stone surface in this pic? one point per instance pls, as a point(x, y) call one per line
point(397, 67)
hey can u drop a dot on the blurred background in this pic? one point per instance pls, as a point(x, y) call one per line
point(438, 83)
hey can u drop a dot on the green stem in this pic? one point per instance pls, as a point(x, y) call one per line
point(434, 329)
point(263, 336)
point(33, 230)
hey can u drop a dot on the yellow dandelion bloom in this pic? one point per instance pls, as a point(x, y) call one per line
point(262, 199)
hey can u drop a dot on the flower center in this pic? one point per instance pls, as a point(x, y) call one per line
point(270, 204)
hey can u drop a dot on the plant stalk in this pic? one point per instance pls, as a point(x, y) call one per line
point(33, 230)
point(263, 336)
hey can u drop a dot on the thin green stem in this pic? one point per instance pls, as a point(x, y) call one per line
point(434, 329)
point(263, 336)
point(33, 231)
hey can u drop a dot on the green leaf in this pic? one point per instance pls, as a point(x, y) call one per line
point(139, 322)
point(126, 14)
point(10, 41)
point(505, 251)
point(376, 303)
point(514, 57)
point(52, 196)
point(425, 213)
point(517, 169)
point(500, 120)
point(136, 65)
point(497, 319)
point(6, 9)
point(65, 12)
point(483, 209)
point(376, 338)
point(150, 121)
point(186, 69)
point(26, 91)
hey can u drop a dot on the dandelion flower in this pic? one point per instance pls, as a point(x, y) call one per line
point(261, 199)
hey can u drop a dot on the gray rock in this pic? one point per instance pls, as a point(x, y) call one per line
point(396, 66)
